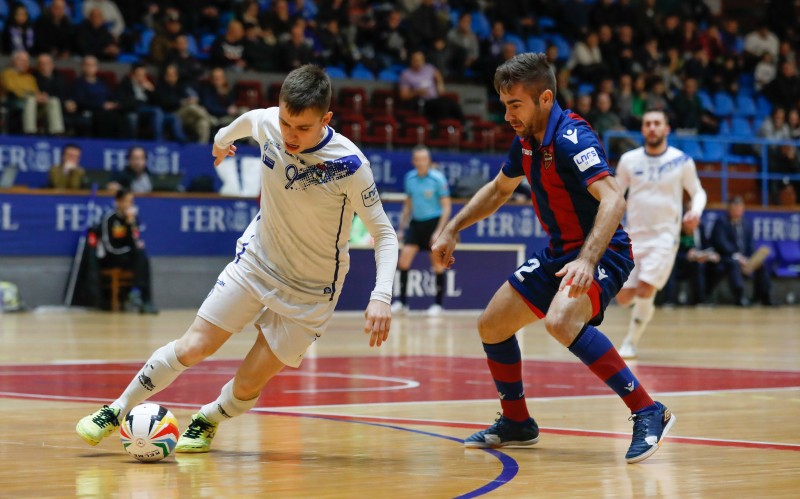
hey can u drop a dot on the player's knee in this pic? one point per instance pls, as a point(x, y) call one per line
point(560, 327)
point(489, 330)
point(194, 346)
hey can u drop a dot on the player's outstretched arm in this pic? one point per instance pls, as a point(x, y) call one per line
point(378, 321)
point(220, 153)
point(485, 202)
point(241, 127)
point(579, 273)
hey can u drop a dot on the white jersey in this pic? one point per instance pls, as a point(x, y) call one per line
point(655, 187)
point(299, 240)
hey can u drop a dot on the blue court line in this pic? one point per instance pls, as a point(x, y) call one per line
point(510, 466)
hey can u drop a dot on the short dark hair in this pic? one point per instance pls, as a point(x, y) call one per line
point(71, 145)
point(133, 148)
point(307, 87)
point(121, 193)
point(419, 148)
point(735, 200)
point(532, 70)
point(657, 110)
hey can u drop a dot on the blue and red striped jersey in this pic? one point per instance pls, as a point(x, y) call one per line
point(560, 170)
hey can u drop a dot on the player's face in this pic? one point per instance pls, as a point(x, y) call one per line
point(526, 115)
point(421, 161)
point(654, 129)
point(302, 131)
point(124, 203)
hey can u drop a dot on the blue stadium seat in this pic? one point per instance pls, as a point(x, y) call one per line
point(739, 159)
point(689, 145)
point(127, 58)
point(705, 101)
point(585, 89)
point(536, 44)
point(745, 106)
point(480, 25)
point(546, 23)
point(723, 105)
point(724, 128)
point(713, 150)
point(763, 106)
point(335, 73)
point(362, 73)
point(563, 45)
point(206, 41)
point(389, 76)
point(517, 41)
point(191, 41)
point(3, 9)
point(747, 84)
point(142, 45)
point(740, 127)
point(34, 11)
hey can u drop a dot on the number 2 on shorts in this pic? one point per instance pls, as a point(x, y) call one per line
point(532, 265)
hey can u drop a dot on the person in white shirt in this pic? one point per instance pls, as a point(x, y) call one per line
point(655, 177)
point(290, 263)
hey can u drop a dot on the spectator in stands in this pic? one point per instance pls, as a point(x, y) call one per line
point(390, 42)
point(671, 70)
point(649, 57)
point(699, 68)
point(260, 49)
point(696, 10)
point(564, 97)
point(93, 106)
point(626, 50)
point(639, 101)
point(623, 99)
point(121, 246)
point(657, 97)
point(688, 113)
point(573, 17)
point(424, 26)
point(757, 42)
point(55, 32)
point(784, 159)
point(170, 96)
point(518, 17)
point(726, 75)
point(227, 51)
point(608, 49)
point(297, 50)
point(247, 12)
point(335, 47)
point(793, 120)
point(603, 12)
point(278, 19)
point(586, 62)
point(604, 119)
point(217, 99)
point(18, 34)
point(23, 96)
point(690, 39)
point(135, 95)
point(732, 238)
point(463, 43)
point(51, 82)
point(441, 57)
point(732, 41)
point(694, 254)
point(645, 17)
point(304, 9)
point(93, 38)
point(164, 40)
point(786, 52)
point(421, 86)
point(669, 33)
point(711, 41)
point(190, 69)
point(135, 177)
point(784, 91)
point(111, 15)
point(775, 127)
point(68, 174)
point(765, 72)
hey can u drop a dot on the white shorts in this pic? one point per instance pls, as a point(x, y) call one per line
point(653, 266)
point(289, 323)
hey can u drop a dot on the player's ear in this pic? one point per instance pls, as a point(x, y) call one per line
point(326, 118)
point(546, 97)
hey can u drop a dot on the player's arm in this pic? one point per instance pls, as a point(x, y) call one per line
point(367, 205)
point(243, 126)
point(485, 202)
point(447, 208)
point(691, 184)
point(623, 173)
point(579, 273)
point(405, 216)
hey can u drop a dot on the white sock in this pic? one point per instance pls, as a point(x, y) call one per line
point(643, 309)
point(226, 406)
point(158, 372)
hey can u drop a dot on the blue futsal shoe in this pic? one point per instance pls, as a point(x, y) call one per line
point(649, 430)
point(504, 432)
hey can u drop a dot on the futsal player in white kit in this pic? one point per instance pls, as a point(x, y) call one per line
point(655, 177)
point(289, 266)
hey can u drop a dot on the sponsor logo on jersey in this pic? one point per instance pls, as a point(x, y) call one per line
point(527, 152)
point(370, 196)
point(572, 136)
point(586, 158)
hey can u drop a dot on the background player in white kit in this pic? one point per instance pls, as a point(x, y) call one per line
point(655, 177)
point(290, 263)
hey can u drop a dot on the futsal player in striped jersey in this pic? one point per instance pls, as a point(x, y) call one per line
point(290, 263)
point(570, 282)
point(655, 176)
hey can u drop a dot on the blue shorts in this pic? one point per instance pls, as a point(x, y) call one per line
point(537, 283)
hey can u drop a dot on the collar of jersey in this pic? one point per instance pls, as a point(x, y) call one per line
point(550, 131)
point(322, 143)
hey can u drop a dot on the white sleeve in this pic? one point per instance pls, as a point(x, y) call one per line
point(245, 125)
point(692, 185)
point(623, 174)
point(367, 204)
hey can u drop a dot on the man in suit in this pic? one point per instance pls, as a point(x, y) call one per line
point(732, 238)
point(694, 252)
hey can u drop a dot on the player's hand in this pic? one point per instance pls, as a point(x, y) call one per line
point(378, 320)
point(578, 275)
point(220, 153)
point(691, 219)
point(442, 249)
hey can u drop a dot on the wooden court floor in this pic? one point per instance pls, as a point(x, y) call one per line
point(388, 422)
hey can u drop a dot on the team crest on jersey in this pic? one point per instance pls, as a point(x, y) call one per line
point(547, 158)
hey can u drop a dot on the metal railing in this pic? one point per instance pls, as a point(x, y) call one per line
point(758, 156)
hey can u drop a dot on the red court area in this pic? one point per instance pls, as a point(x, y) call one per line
point(333, 380)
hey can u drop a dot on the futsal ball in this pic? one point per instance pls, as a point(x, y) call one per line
point(149, 432)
